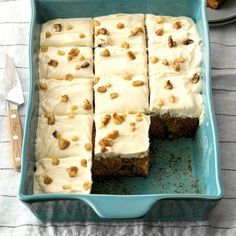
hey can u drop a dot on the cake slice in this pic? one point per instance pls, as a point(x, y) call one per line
point(113, 92)
point(61, 97)
point(65, 62)
point(121, 144)
point(215, 4)
point(67, 32)
point(119, 29)
point(63, 136)
point(65, 175)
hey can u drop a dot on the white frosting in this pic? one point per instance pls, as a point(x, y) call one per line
point(119, 63)
point(188, 102)
point(47, 146)
point(117, 36)
point(128, 144)
point(67, 37)
point(138, 96)
point(65, 66)
point(188, 30)
point(60, 177)
point(77, 90)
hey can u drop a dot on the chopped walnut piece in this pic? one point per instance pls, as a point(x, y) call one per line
point(55, 161)
point(88, 146)
point(83, 163)
point(172, 99)
point(132, 123)
point(81, 57)
point(103, 150)
point(120, 26)
point(180, 59)
point(44, 48)
point(51, 118)
point(113, 95)
point(85, 65)
point(195, 78)
point(96, 80)
point(176, 66)
point(72, 171)
point(60, 52)
point(139, 119)
point(96, 23)
point(159, 19)
point(64, 98)
point(168, 85)
point(77, 67)
point(160, 103)
point(124, 45)
point(82, 36)
point(165, 62)
point(127, 77)
point(137, 30)
point(105, 120)
point(118, 119)
point(48, 34)
point(87, 185)
point(57, 27)
point(113, 135)
point(108, 85)
point(132, 128)
point(177, 25)
point(69, 77)
point(56, 134)
point(159, 32)
point(137, 83)
point(74, 52)
point(131, 55)
point(66, 187)
point(105, 53)
point(139, 113)
point(71, 114)
point(63, 143)
point(171, 42)
point(102, 31)
point(53, 63)
point(154, 59)
point(87, 105)
point(75, 138)
point(187, 41)
point(43, 85)
point(102, 89)
point(105, 142)
point(74, 107)
point(69, 27)
point(47, 179)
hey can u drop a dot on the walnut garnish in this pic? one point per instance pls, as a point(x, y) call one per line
point(177, 25)
point(102, 31)
point(124, 45)
point(132, 126)
point(103, 149)
point(87, 185)
point(55, 161)
point(96, 23)
point(48, 34)
point(56, 134)
point(83, 162)
point(53, 63)
point(139, 113)
point(77, 67)
point(81, 57)
point(120, 26)
point(159, 32)
point(113, 135)
point(137, 30)
point(44, 48)
point(57, 27)
point(195, 78)
point(172, 99)
point(43, 85)
point(69, 27)
point(180, 59)
point(66, 187)
point(51, 118)
point(85, 65)
point(137, 83)
point(154, 59)
point(139, 119)
point(69, 77)
point(127, 77)
point(105, 142)
point(60, 52)
point(87, 105)
point(82, 36)
point(118, 119)
point(105, 120)
point(105, 53)
point(74, 52)
point(101, 89)
point(165, 62)
point(171, 42)
point(88, 146)
point(74, 107)
point(75, 138)
point(72, 171)
point(131, 55)
point(176, 66)
point(47, 179)
point(187, 41)
point(160, 102)
point(108, 85)
point(168, 85)
point(96, 80)
point(64, 98)
point(159, 19)
point(114, 95)
point(71, 114)
point(63, 143)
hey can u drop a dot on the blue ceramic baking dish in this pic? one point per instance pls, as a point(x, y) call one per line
point(184, 181)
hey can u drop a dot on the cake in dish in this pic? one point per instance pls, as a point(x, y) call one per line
point(113, 92)
point(121, 144)
point(65, 62)
point(119, 29)
point(215, 4)
point(62, 97)
point(65, 175)
point(63, 136)
point(67, 32)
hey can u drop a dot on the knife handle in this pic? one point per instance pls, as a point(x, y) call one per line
point(15, 132)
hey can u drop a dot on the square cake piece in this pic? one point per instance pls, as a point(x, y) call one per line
point(62, 97)
point(65, 175)
point(113, 92)
point(65, 62)
point(175, 105)
point(114, 60)
point(121, 144)
point(119, 29)
point(67, 32)
point(63, 136)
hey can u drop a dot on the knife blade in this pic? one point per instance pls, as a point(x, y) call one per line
point(14, 98)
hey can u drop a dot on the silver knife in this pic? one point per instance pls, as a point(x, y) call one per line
point(14, 98)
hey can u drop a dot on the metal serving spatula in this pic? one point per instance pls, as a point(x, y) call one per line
point(14, 98)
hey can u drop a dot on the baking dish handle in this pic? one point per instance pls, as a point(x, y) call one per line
point(121, 207)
